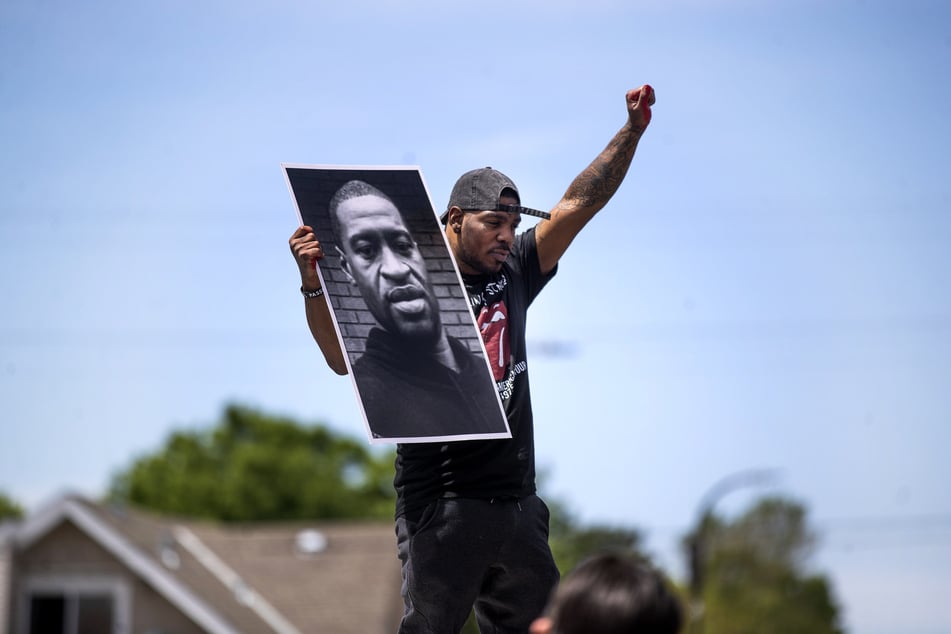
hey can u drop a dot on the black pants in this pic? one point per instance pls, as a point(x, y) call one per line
point(492, 555)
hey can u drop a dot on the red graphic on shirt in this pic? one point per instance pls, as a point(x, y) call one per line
point(493, 321)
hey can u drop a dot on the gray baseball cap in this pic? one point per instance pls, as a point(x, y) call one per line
point(480, 190)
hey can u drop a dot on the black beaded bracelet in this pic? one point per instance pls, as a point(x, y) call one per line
point(311, 294)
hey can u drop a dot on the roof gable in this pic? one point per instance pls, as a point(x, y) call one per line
point(249, 577)
point(70, 508)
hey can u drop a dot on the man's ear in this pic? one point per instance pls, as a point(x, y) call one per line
point(541, 625)
point(454, 221)
point(345, 266)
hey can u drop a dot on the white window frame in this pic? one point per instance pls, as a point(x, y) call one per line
point(75, 586)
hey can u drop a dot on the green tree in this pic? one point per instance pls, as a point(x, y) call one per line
point(572, 541)
point(251, 466)
point(9, 509)
point(753, 574)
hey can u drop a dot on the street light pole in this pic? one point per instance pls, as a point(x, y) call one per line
point(697, 541)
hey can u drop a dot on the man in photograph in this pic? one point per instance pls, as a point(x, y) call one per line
point(414, 379)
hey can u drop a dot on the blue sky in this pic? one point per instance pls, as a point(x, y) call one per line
point(768, 289)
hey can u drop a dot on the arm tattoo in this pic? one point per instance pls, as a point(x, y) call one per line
point(594, 186)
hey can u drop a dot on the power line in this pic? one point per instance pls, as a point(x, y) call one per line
point(615, 334)
point(861, 524)
point(940, 521)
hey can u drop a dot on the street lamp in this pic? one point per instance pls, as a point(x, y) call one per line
point(697, 545)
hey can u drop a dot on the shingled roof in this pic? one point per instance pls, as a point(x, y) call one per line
point(330, 576)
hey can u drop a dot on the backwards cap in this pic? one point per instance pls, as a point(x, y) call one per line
point(479, 189)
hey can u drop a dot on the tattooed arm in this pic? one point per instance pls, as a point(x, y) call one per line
point(593, 188)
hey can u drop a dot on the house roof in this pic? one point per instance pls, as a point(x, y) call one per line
point(329, 576)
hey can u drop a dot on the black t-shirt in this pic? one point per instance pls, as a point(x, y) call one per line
point(486, 468)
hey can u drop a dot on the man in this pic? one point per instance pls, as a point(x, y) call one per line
point(414, 379)
point(612, 594)
point(470, 530)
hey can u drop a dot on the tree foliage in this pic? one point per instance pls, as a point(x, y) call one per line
point(572, 541)
point(251, 466)
point(9, 509)
point(755, 576)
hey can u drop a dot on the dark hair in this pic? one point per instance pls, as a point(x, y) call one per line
point(351, 189)
point(615, 594)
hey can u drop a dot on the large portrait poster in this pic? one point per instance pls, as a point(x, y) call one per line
point(412, 346)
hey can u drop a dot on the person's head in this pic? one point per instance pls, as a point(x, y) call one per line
point(612, 594)
point(381, 258)
point(479, 225)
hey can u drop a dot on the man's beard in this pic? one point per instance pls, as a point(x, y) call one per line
point(466, 257)
point(418, 333)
